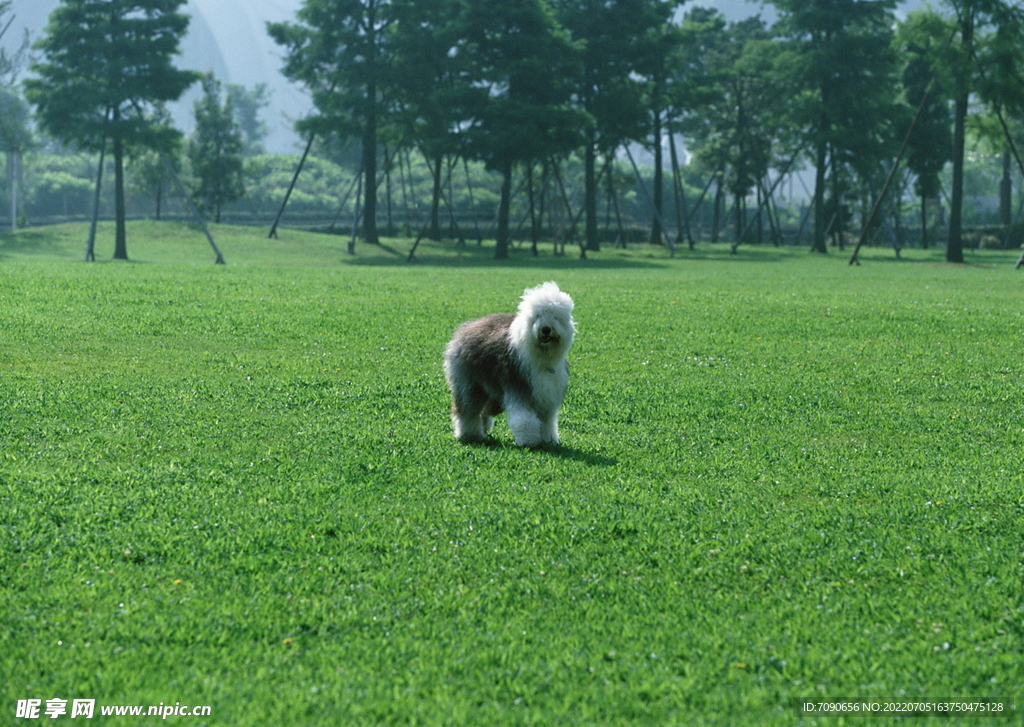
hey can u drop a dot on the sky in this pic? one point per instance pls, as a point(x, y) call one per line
point(229, 38)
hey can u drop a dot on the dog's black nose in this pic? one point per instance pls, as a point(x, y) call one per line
point(546, 330)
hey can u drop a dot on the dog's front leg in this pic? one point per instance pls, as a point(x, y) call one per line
point(526, 426)
point(549, 429)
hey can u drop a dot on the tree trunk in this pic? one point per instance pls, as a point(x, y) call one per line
point(1006, 193)
point(656, 192)
point(405, 195)
point(435, 201)
point(12, 174)
point(370, 180)
point(501, 238)
point(545, 184)
point(533, 211)
point(613, 200)
point(955, 244)
point(839, 223)
point(390, 232)
point(924, 222)
point(716, 217)
point(740, 216)
point(678, 193)
point(760, 217)
point(355, 216)
point(590, 192)
point(120, 236)
point(472, 203)
point(609, 190)
point(90, 243)
point(370, 151)
point(818, 242)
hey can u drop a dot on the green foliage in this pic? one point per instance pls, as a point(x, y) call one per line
point(334, 50)
point(103, 62)
point(527, 64)
point(517, 84)
point(11, 62)
point(247, 104)
point(736, 124)
point(15, 134)
point(215, 151)
point(611, 39)
point(338, 50)
point(267, 178)
point(840, 58)
point(428, 78)
point(923, 37)
point(149, 177)
point(237, 486)
point(58, 184)
point(987, 36)
point(60, 190)
point(427, 75)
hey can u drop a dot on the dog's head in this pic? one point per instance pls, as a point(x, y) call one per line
point(545, 319)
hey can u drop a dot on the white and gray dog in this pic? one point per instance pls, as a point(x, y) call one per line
point(514, 363)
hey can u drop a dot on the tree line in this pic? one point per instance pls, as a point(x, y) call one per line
point(843, 88)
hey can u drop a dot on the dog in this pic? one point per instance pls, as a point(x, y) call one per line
point(513, 363)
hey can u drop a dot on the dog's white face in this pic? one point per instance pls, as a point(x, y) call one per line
point(551, 327)
point(543, 326)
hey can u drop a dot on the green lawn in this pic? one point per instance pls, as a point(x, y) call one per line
point(782, 480)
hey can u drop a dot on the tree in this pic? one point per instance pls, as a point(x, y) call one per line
point(247, 104)
point(988, 32)
point(930, 145)
point(147, 175)
point(702, 64)
point(967, 18)
point(15, 134)
point(147, 168)
point(660, 53)
point(429, 82)
point(612, 40)
point(526, 63)
point(735, 95)
point(975, 56)
point(842, 61)
point(105, 62)
point(15, 139)
point(339, 51)
point(1001, 88)
point(215, 150)
point(10, 63)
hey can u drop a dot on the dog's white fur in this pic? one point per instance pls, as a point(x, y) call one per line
point(515, 364)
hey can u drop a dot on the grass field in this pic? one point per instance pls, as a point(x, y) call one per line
point(782, 480)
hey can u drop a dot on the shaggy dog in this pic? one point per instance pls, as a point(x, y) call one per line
point(514, 363)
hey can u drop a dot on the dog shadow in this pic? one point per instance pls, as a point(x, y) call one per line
point(561, 451)
point(592, 459)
